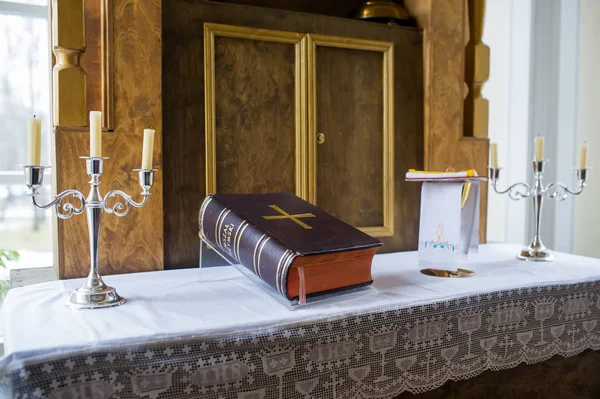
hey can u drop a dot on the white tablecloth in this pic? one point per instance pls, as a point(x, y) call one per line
point(213, 332)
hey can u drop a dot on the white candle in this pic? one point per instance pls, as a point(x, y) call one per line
point(583, 156)
point(148, 149)
point(494, 155)
point(95, 134)
point(34, 139)
point(539, 148)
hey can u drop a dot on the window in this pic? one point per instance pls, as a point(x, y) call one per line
point(24, 92)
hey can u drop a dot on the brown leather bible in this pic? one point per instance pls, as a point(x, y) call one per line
point(290, 244)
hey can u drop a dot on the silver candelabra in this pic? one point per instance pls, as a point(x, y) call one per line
point(94, 293)
point(536, 250)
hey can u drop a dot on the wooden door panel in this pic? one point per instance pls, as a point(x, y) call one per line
point(350, 93)
point(255, 128)
point(254, 116)
point(351, 106)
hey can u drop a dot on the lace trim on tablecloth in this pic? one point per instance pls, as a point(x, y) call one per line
point(376, 355)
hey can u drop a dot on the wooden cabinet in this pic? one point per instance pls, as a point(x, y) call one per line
point(325, 107)
point(248, 95)
point(265, 90)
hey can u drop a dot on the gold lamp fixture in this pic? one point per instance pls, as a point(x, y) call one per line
point(388, 12)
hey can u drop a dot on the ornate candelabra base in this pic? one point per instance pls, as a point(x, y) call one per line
point(537, 251)
point(105, 297)
point(94, 293)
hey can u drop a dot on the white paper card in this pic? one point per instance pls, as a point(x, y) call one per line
point(446, 232)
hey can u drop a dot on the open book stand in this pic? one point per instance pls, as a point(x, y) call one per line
point(208, 259)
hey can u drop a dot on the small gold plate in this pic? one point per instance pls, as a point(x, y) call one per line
point(459, 273)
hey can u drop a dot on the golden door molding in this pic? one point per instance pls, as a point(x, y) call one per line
point(387, 49)
point(69, 79)
point(212, 30)
point(107, 56)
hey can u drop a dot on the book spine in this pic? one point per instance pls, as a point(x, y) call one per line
point(247, 244)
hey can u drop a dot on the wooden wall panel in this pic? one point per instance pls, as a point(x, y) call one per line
point(95, 61)
point(350, 115)
point(444, 56)
point(477, 71)
point(69, 39)
point(255, 116)
point(133, 243)
point(334, 8)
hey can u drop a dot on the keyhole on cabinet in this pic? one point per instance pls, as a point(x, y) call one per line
point(320, 138)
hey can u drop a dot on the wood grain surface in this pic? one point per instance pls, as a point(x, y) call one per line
point(255, 116)
point(444, 29)
point(335, 8)
point(446, 146)
point(350, 114)
point(183, 115)
point(135, 242)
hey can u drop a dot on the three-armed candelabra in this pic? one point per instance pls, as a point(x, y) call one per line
point(536, 250)
point(94, 293)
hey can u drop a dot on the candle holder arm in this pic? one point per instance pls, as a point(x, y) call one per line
point(559, 192)
point(67, 209)
point(122, 208)
point(515, 191)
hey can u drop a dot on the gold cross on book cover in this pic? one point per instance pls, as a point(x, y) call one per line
point(325, 255)
point(285, 215)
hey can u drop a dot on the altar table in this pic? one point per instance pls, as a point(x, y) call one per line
point(212, 333)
